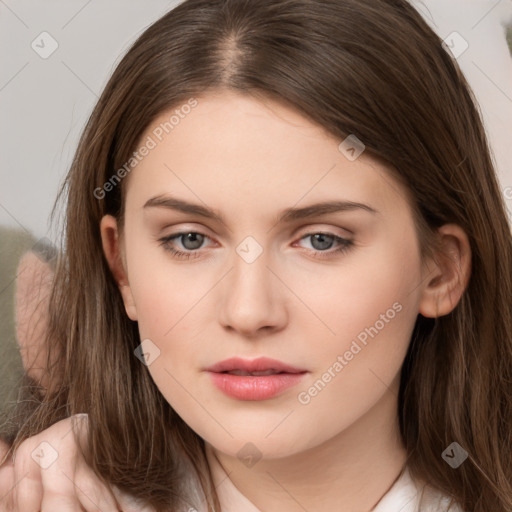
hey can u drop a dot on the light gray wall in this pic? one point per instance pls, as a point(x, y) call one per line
point(44, 102)
point(487, 63)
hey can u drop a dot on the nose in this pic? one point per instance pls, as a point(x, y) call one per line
point(254, 299)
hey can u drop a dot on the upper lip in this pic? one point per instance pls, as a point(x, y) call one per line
point(253, 365)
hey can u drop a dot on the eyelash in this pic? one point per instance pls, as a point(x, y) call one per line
point(344, 246)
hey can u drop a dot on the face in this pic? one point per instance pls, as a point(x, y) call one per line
point(331, 293)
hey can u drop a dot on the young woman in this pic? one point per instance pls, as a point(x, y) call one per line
point(286, 279)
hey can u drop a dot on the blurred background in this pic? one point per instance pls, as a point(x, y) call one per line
point(57, 55)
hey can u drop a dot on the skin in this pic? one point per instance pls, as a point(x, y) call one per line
point(249, 160)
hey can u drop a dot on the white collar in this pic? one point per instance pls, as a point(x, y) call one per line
point(405, 493)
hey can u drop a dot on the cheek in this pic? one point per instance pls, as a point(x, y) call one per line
point(171, 316)
point(373, 293)
point(164, 291)
point(372, 311)
point(174, 307)
point(168, 309)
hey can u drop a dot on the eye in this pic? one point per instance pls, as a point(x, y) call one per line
point(321, 242)
point(191, 241)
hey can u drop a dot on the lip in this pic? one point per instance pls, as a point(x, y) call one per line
point(254, 387)
point(253, 365)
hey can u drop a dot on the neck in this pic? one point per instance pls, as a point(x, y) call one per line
point(348, 473)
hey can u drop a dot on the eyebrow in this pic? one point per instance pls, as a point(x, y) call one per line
point(287, 215)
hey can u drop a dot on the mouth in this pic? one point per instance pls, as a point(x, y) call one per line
point(257, 379)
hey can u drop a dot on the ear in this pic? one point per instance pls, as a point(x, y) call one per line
point(112, 248)
point(446, 276)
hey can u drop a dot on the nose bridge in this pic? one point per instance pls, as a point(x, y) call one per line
point(251, 277)
point(251, 295)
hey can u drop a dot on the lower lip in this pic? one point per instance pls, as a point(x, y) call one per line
point(260, 387)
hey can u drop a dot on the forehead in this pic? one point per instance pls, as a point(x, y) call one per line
point(235, 150)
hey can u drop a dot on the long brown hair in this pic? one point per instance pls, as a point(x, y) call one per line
point(370, 68)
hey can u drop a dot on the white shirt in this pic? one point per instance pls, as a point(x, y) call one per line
point(404, 495)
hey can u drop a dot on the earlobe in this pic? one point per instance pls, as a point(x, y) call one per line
point(112, 249)
point(447, 277)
